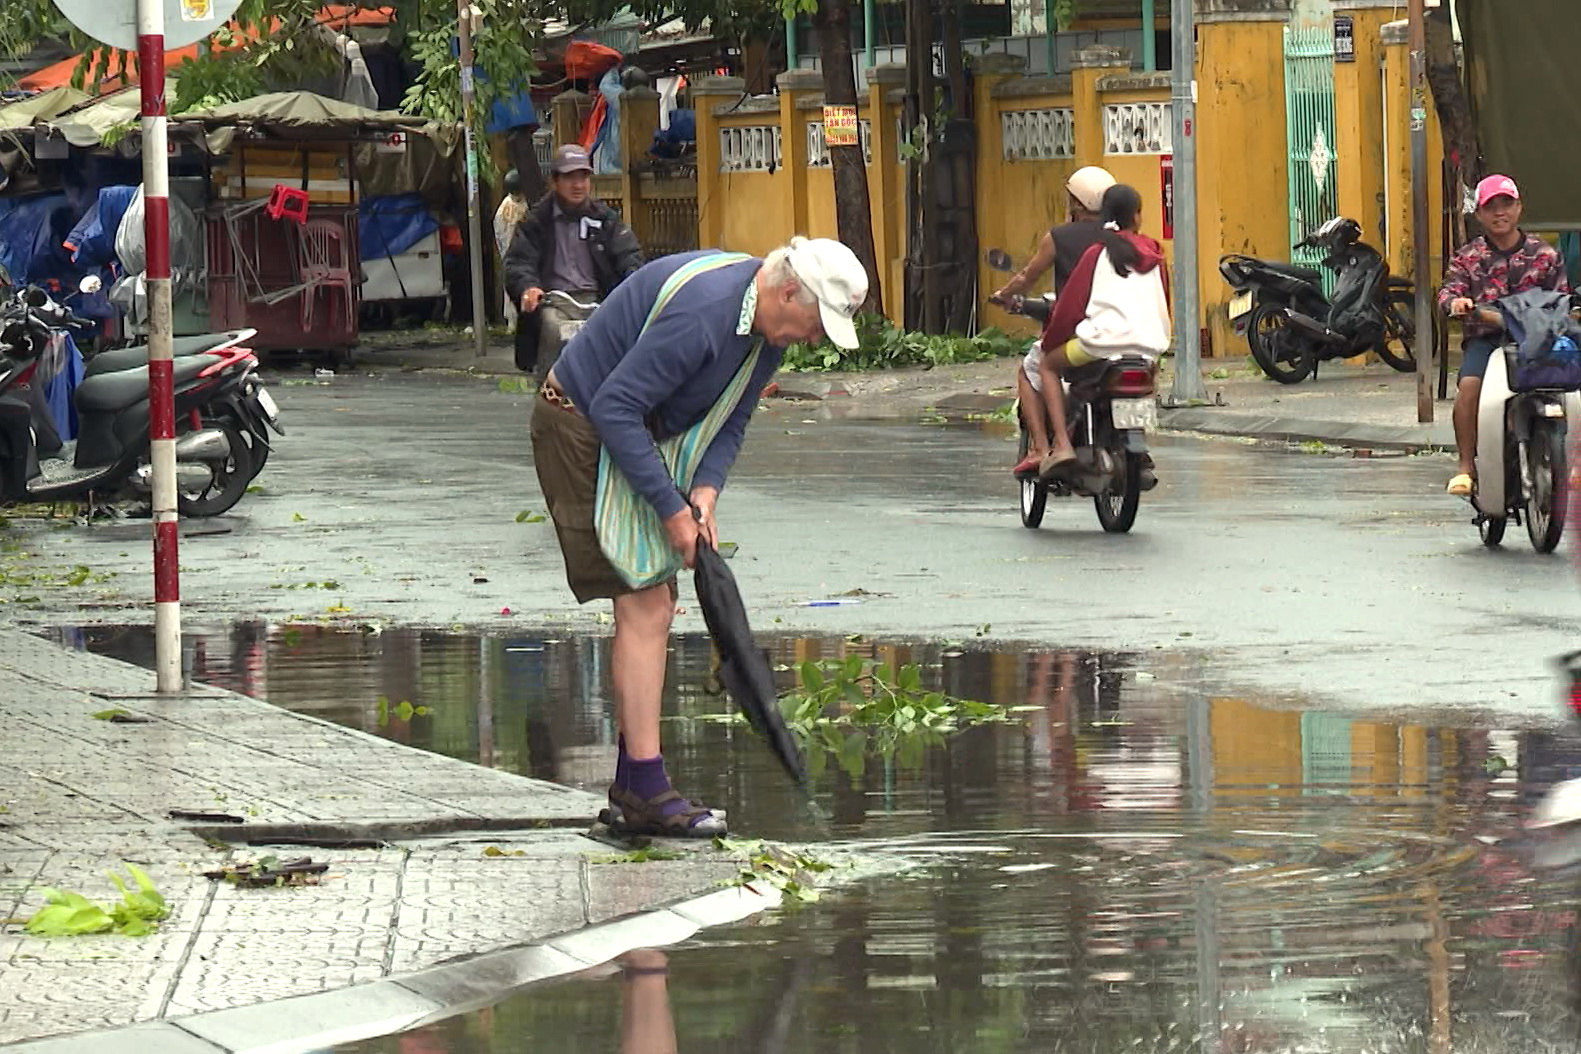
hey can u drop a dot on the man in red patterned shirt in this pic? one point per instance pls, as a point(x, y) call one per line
point(1503, 261)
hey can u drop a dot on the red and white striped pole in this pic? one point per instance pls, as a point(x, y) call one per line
point(161, 386)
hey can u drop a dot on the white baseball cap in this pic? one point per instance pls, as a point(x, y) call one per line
point(1087, 186)
point(833, 274)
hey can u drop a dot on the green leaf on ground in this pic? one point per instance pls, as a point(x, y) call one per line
point(111, 715)
point(68, 914)
point(528, 516)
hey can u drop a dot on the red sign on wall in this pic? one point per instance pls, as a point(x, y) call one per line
point(1166, 181)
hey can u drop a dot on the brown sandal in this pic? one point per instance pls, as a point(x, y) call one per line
point(631, 815)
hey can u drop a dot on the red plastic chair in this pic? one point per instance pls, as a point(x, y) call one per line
point(324, 265)
point(287, 203)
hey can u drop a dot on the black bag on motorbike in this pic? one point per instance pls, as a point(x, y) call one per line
point(1547, 341)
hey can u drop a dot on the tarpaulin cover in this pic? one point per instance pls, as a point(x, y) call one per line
point(29, 248)
point(62, 384)
point(92, 241)
point(1523, 63)
point(389, 226)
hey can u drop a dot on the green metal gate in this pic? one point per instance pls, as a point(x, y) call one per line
point(1309, 130)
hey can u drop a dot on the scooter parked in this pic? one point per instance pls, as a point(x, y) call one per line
point(1109, 407)
point(110, 456)
point(1522, 424)
point(1291, 326)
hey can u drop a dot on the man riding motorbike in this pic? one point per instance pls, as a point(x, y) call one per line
point(1117, 301)
point(1502, 261)
point(1062, 247)
point(569, 242)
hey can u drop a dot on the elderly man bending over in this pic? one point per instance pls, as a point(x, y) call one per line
point(672, 362)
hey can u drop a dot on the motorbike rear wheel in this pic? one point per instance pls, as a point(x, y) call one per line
point(1279, 353)
point(230, 480)
point(1399, 325)
point(1545, 505)
point(1034, 495)
point(1117, 506)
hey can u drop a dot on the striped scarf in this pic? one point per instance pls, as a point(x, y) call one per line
point(629, 529)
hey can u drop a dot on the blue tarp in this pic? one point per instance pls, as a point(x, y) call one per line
point(60, 388)
point(27, 247)
point(94, 234)
point(390, 225)
point(668, 142)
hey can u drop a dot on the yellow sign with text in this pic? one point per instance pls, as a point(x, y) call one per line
point(839, 126)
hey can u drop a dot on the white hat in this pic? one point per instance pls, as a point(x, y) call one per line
point(833, 274)
point(1087, 185)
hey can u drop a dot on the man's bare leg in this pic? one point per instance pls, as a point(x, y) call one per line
point(642, 642)
point(1033, 416)
point(1467, 396)
point(1059, 438)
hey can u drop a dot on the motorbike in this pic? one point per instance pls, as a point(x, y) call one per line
point(1291, 326)
point(1109, 408)
point(1522, 472)
point(577, 313)
point(110, 457)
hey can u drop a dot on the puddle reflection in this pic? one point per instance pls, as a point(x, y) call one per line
point(1131, 869)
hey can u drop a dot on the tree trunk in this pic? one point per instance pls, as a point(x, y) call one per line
point(852, 205)
point(1462, 147)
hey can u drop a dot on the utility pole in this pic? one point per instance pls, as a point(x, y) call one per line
point(161, 367)
point(1188, 387)
point(1425, 346)
point(465, 12)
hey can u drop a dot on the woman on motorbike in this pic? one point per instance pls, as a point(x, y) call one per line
point(1117, 301)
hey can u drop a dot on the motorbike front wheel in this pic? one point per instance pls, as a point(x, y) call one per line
point(1034, 495)
point(1545, 502)
point(1281, 354)
point(1491, 530)
point(1118, 505)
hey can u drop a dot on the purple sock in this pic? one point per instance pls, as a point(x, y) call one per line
point(647, 778)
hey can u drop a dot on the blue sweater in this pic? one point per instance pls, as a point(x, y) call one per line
point(670, 375)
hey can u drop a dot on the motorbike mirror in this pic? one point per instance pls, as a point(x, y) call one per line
point(90, 284)
point(33, 296)
point(1000, 260)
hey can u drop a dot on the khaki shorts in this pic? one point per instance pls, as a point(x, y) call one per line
point(565, 450)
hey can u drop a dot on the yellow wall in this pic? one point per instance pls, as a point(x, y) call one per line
point(1242, 162)
point(1397, 166)
point(1243, 190)
point(1358, 125)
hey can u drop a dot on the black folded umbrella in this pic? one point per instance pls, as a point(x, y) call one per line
point(744, 668)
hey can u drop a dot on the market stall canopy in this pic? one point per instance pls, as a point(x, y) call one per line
point(303, 115)
point(20, 115)
point(119, 75)
point(1525, 86)
point(87, 125)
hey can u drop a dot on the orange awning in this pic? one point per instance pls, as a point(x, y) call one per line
point(335, 16)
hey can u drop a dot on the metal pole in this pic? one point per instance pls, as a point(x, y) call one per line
point(1149, 35)
point(1424, 347)
point(480, 318)
point(161, 388)
point(869, 12)
point(792, 53)
point(1049, 28)
point(1188, 387)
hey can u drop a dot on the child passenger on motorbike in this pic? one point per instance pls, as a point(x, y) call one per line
point(1117, 302)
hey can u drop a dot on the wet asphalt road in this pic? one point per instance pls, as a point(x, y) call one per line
point(1330, 580)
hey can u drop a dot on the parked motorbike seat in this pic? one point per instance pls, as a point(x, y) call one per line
point(1306, 274)
point(116, 391)
point(137, 355)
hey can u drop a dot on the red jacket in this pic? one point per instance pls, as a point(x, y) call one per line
point(1070, 307)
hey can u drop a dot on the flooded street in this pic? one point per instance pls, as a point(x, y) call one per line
point(1129, 868)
